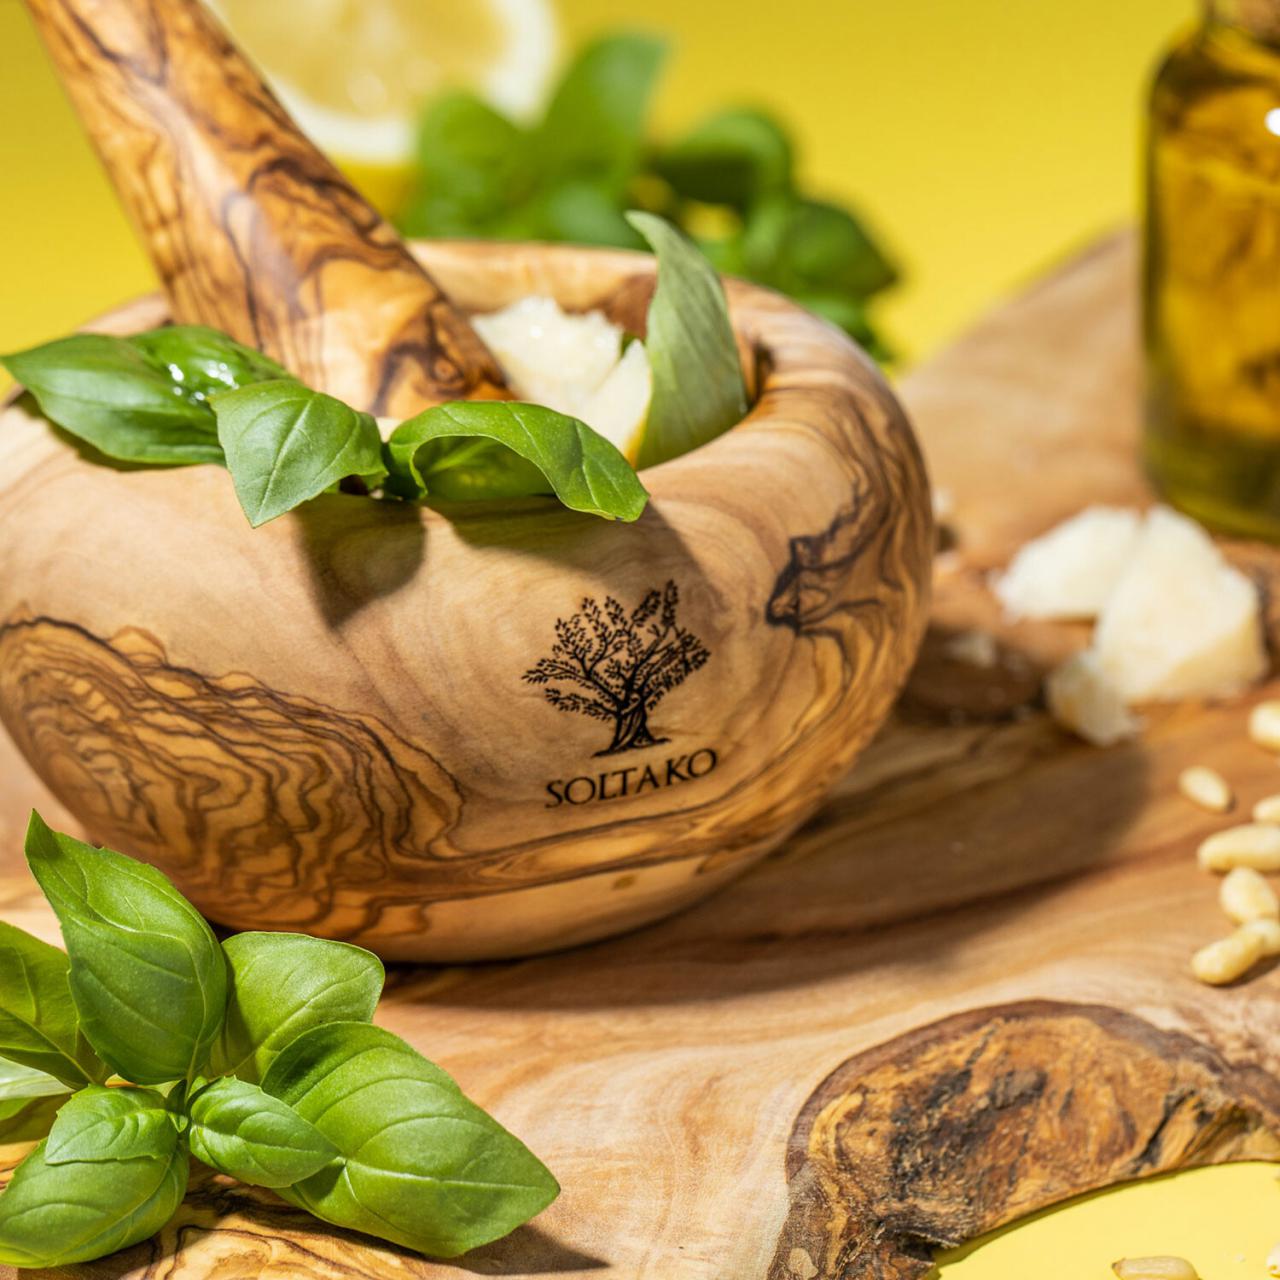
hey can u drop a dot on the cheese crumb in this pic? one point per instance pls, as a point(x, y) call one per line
point(1070, 571)
point(1083, 699)
point(975, 648)
point(620, 406)
point(1181, 622)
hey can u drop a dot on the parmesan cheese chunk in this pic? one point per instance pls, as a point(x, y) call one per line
point(573, 363)
point(552, 357)
point(1070, 571)
point(1181, 622)
point(1081, 698)
point(620, 408)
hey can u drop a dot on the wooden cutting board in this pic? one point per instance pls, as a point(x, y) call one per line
point(960, 993)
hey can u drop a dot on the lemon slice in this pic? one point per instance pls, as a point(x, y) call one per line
point(355, 73)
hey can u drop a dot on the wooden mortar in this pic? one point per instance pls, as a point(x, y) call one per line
point(399, 725)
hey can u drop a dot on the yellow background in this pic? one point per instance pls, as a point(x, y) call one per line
point(986, 138)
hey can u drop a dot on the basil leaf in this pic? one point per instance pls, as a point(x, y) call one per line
point(698, 389)
point(732, 157)
point(807, 246)
point(110, 1124)
point(246, 1133)
point(286, 443)
point(594, 124)
point(37, 1019)
point(423, 1166)
point(475, 163)
point(147, 975)
point(20, 1085)
point(104, 391)
point(581, 211)
point(502, 449)
point(28, 1120)
point(29, 1100)
point(200, 361)
point(52, 1215)
point(283, 984)
point(827, 247)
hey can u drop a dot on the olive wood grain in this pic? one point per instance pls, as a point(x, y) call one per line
point(968, 1124)
point(250, 227)
point(482, 731)
point(977, 858)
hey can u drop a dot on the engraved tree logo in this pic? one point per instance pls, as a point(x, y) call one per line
point(617, 666)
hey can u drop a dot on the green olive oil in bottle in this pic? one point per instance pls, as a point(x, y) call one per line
point(1212, 271)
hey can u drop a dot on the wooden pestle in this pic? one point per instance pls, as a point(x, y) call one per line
point(252, 229)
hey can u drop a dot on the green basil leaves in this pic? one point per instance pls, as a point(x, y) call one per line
point(200, 361)
point(283, 984)
point(148, 977)
point(142, 399)
point(256, 1057)
point(285, 444)
point(29, 1099)
point(55, 1214)
point(106, 392)
point(189, 394)
point(593, 129)
point(248, 1134)
point(730, 182)
point(567, 177)
point(110, 1124)
point(421, 1164)
point(38, 1026)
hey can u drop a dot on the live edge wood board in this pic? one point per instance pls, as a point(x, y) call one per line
point(957, 994)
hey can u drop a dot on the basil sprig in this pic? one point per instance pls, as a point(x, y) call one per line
point(730, 182)
point(187, 394)
point(256, 1056)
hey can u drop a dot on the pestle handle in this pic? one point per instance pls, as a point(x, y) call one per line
point(252, 229)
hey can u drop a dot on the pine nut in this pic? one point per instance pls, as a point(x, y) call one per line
point(1154, 1269)
point(1246, 896)
point(1267, 809)
point(1264, 725)
point(1273, 1262)
point(1268, 934)
point(1224, 961)
point(1253, 844)
point(1206, 787)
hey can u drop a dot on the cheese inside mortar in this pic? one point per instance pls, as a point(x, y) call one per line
point(573, 363)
